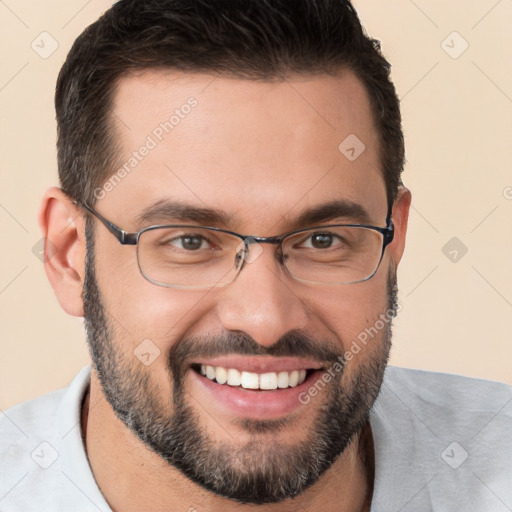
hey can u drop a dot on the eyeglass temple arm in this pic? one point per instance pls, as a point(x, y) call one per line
point(123, 237)
point(389, 232)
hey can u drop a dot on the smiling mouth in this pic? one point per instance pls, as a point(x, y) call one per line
point(255, 381)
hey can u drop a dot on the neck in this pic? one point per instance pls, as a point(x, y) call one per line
point(132, 477)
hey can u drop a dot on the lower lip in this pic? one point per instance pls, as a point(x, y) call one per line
point(257, 404)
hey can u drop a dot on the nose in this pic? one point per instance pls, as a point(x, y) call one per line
point(263, 301)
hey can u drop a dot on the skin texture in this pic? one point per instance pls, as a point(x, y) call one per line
point(262, 153)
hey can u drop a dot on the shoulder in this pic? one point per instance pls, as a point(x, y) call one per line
point(446, 389)
point(46, 414)
point(22, 426)
point(444, 440)
point(448, 399)
point(36, 414)
point(43, 465)
point(449, 405)
point(397, 373)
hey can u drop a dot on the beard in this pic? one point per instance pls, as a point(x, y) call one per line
point(261, 470)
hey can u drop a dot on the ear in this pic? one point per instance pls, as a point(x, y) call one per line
point(63, 228)
point(400, 215)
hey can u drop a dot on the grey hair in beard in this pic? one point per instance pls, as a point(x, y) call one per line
point(261, 470)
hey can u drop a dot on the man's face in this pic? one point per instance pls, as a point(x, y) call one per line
point(262, 154)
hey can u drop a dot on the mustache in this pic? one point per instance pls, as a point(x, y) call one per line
point(294, 343)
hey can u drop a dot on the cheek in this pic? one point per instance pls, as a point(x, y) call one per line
point(143, 311)
point(165, 314)
point(351, 311)
point(354, 315)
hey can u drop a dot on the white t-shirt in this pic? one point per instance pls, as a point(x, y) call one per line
point(442, 443)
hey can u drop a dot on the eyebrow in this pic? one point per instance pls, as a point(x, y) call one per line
point(163, 211)
point(334, 210)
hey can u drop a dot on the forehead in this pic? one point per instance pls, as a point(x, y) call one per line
point(262, 151)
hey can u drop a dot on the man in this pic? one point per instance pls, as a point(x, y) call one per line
point(229, 225)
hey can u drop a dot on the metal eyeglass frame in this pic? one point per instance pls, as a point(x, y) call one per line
point(125, 238)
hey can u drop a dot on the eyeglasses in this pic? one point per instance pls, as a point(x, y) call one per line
point(195, 257)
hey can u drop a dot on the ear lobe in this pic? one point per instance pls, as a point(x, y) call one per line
point(63, 229)
point(400, 215)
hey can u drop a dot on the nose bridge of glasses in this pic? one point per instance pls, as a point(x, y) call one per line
point(250, 249)
point(248, 240)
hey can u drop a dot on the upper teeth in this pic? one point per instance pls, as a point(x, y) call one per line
point(249, 380)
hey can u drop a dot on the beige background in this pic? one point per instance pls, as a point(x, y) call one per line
point(456, 316)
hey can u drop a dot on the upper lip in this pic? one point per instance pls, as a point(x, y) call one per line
point(262, 364)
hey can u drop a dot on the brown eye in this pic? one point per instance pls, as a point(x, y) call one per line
point(321, 241)
point(191, 242)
